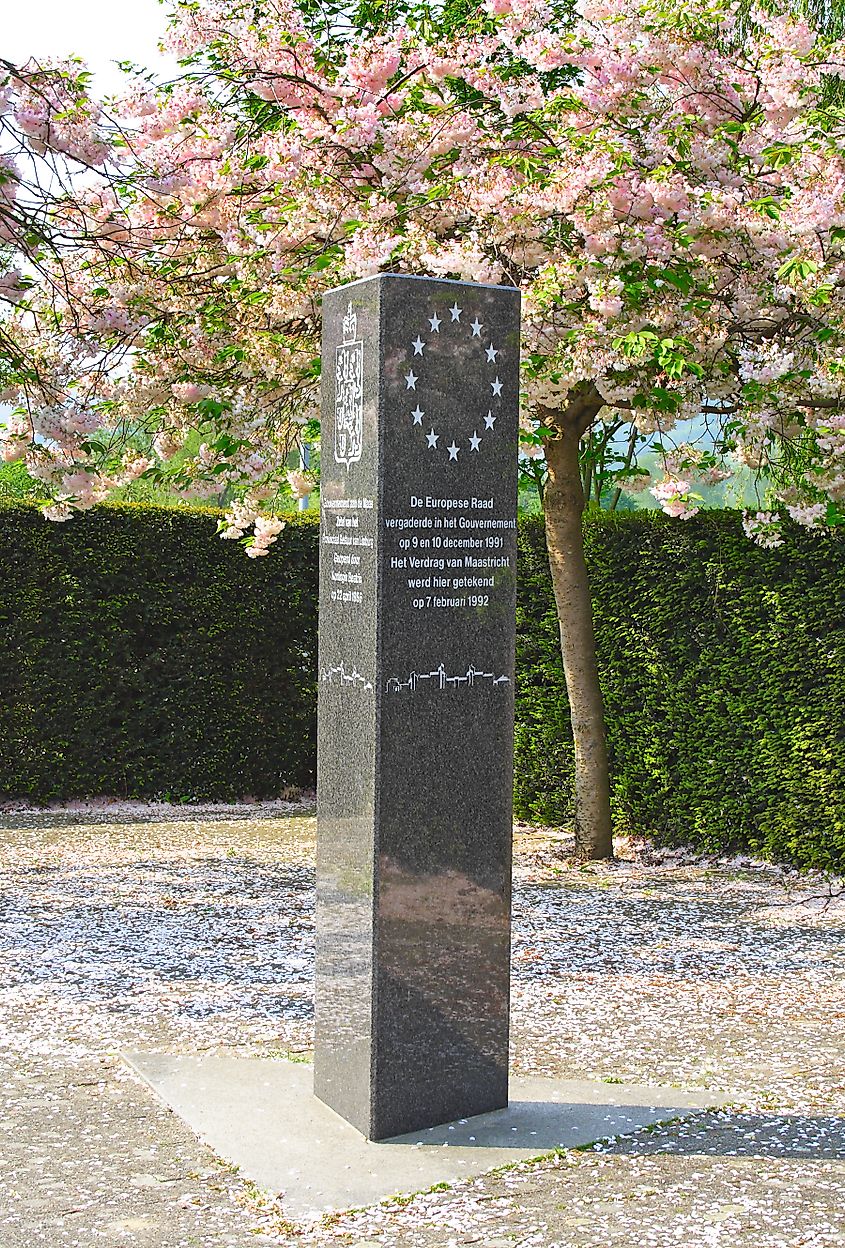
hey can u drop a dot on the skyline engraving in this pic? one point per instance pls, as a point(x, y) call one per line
point(439, 679)
point(354, 677)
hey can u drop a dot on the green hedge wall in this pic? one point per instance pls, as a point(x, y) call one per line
point(723, 668)
point(142, 655)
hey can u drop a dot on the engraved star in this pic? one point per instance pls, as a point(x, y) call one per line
point(418, 345)
point(475, 441)
point(432, 439)
point(453, 451)
point(434, 322)
point(410, 381)
point(491, 354)
point(489, 420)
point(456, 311)
point(496, 386)
point(418, 414)
point(476, 328)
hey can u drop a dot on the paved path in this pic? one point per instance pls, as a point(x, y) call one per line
point(196, 932)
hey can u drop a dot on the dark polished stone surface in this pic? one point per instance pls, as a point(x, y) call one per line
point(417, 595)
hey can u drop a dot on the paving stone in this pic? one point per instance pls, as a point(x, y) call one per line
point(676, 971)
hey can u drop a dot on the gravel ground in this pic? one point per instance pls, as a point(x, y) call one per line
point(145, 927)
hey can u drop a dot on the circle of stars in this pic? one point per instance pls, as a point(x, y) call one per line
point(491, 352)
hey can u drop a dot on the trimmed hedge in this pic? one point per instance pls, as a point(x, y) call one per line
point(723, 669)
point(143, 656)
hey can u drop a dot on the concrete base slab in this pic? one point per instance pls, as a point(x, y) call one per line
point(261, 1115)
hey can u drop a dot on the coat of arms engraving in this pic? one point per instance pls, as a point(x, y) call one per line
point(349, 393)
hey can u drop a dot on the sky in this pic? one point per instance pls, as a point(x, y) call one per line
point(99, 31)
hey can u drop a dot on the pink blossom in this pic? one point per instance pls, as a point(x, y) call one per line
point(190, 392)
point(763, 527)
point(809, 515)
point(300, 484)
point(12, 289)
point(266, 531)
point(12, 449)
point(673, 495)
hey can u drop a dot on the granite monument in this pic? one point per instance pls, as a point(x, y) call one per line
point(416, 687)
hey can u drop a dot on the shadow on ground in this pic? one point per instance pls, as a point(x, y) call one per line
point(799, 1136)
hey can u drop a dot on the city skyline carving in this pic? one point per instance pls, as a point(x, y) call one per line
point(439, 679)
point(345, 678)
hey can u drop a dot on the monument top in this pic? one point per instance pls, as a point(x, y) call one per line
point(420, 277)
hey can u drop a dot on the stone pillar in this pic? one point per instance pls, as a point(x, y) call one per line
point(416, 686)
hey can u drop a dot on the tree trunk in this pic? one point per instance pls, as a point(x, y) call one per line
point(563, 505)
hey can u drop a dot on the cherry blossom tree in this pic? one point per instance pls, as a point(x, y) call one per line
point(666, 186)
point(48, 133)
